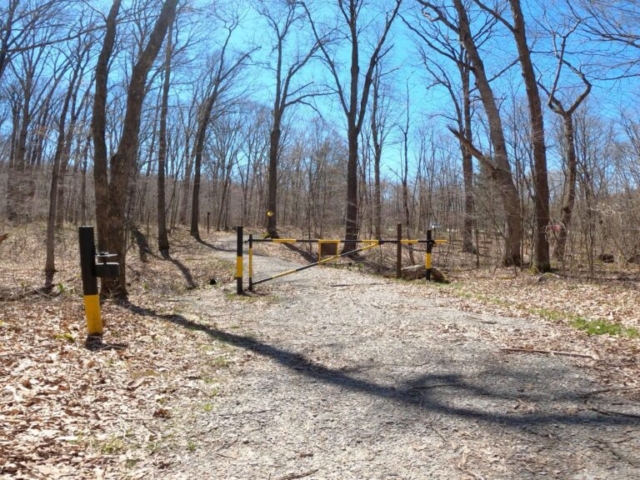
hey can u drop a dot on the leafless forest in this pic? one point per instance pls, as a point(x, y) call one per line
point(509, 125)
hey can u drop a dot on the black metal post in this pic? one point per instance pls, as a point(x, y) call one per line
point(239, 266)
point(399, 252)
point(251, 263)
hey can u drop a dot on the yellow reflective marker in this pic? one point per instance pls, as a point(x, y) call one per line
point(92, 311)
point(239, 267)
point(427, 261)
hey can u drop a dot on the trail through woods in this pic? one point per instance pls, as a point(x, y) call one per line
point(329, 373)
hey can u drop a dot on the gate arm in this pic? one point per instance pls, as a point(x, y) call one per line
point(320, 262)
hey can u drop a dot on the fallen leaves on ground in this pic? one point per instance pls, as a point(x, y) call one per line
point(70, 412)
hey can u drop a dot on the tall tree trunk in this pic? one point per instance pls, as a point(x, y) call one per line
point(499, 168)
point(98, 127)
point(570, 144)
point(405, 182)
point(50, 267)
point(467, 164)
point(20, 178)
point(377, 139)
point(163, 238)
point(541, 261)
point(353, 99)
point(351, 233)
point(570, 186)
point(203, 124)
point(124, 160)
point(274, 147)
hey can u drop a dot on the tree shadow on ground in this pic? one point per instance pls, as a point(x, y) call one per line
point(186, 273)
point(420, 391)
point(144, 250)
point(308, 256)
point(220, 248)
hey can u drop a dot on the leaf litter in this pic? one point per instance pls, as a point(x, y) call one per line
point(68, 412)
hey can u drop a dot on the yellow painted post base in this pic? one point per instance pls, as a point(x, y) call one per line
point(92, 311)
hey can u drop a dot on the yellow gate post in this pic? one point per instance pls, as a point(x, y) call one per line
point(90, 272)
point(427, 258)
point(89, 281)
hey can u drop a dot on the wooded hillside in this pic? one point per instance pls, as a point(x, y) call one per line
point(507, 126)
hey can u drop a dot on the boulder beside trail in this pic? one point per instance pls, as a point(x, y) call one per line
point(417, 272)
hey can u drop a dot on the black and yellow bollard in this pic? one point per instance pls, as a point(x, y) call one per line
point(239, 265)
point(251, 263)
point(90, 273)
point(90, 281)
point(427, 257)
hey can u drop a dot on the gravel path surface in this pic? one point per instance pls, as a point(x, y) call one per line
point(350, 376)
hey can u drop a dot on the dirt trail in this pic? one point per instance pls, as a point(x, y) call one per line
point(349, 376)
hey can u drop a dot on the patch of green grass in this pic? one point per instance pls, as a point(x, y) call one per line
point(552, 315)
point(233, 296)
point(154, 446)
point(191, 446)
point(65, 336)
point(603, 327)
point(112, 446)
point(221, 362)
point(207, 407)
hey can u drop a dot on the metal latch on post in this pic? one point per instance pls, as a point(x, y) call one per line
point(104, 268)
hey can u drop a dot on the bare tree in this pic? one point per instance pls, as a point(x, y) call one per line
point(498, 164)
point(614, 23)
point(433, 39)
point(163, 238)
point(76, 71)
point(281, 20)
point(98, 125)
point(352, 94)
point(405, 174)
point(23, 21)
point(223, 72)
point(541, 261)
point(566, 113)
point(380, 129)
point(124, 159)
point(36, 74)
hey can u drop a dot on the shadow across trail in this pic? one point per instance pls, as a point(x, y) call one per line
point(432, 392)
point(140, 239)
point(217, 249)
point(186, 273)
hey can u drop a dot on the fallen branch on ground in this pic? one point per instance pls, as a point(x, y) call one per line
point(612, 412)
point(293, 476)
point(550, 352)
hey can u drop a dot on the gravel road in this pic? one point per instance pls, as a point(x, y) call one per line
point(350, 376)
